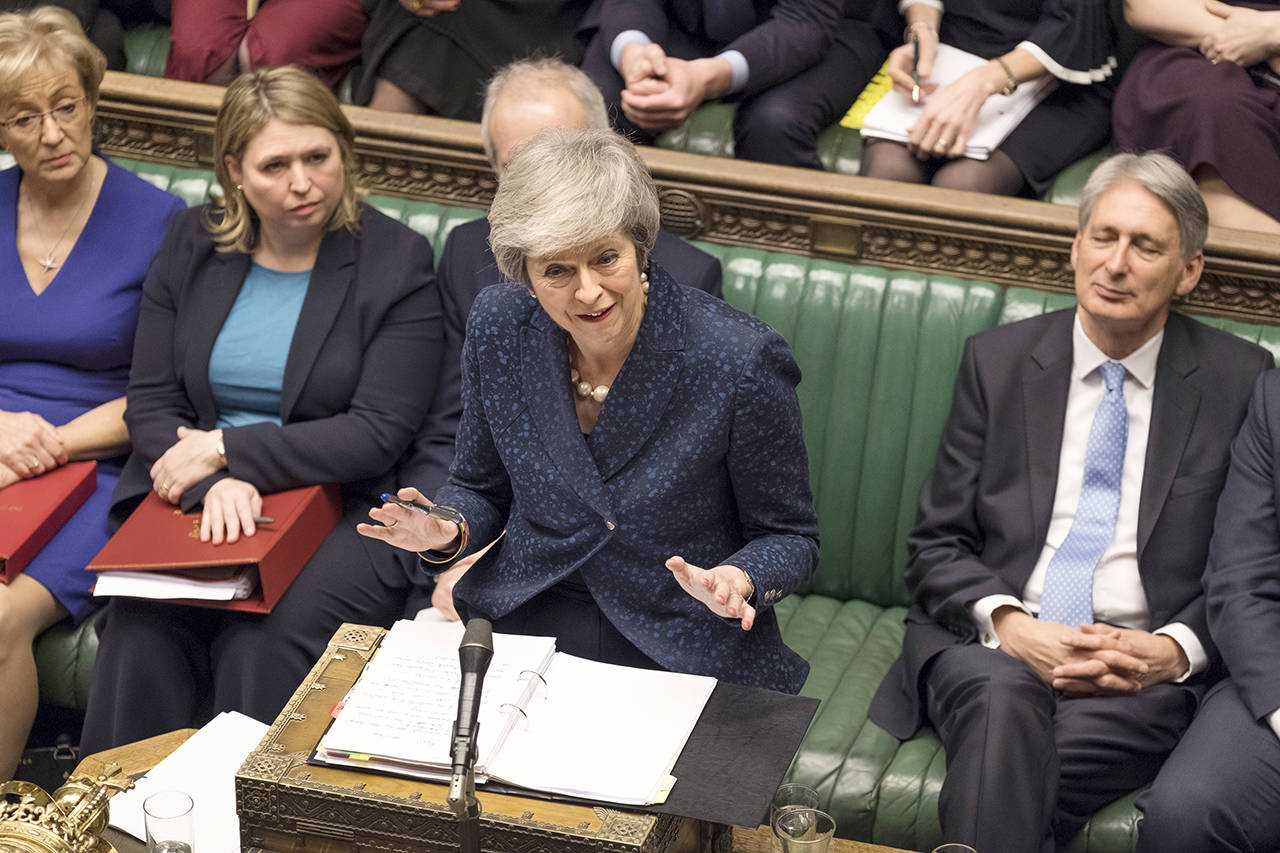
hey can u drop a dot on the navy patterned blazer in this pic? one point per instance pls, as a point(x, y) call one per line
point(698, 452)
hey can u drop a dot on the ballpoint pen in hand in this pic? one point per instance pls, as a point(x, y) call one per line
point(915, 67)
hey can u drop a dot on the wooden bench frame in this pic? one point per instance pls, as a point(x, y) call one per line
point(732, 202)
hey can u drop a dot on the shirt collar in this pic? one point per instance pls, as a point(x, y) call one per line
point(1140, 364)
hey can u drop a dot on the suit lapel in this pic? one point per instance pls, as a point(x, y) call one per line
point(544, 366)
point(1044, 400)
point(1174, 402)
point(213, 295)
point(639, 398)
point(331, 278)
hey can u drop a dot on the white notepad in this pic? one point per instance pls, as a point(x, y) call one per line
point(894, 115)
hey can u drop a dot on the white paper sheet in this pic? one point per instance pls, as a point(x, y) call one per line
point(205, 768)
point(163, 586)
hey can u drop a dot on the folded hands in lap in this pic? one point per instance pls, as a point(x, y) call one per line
point(661, 91)
point(188, 461)
point(29, 446)
point(1245, 36)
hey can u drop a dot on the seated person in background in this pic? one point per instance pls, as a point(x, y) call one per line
point(78, 234)
point(1070, 39)
point(1220, 790)
point(1194, 97)
point(1057, 632)
point(521, 100)
point(211, 41)
point(290, 336)
point(794, 66)
point(99, 23)
point(434, 56)
point(624, 430)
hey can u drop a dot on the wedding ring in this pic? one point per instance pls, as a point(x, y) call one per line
point(164, 487)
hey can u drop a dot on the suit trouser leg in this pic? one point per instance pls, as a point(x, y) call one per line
point(1025, 766)
point(781, 125)
point(1220, 789)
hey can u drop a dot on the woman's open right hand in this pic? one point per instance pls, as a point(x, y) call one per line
point(29, 445)
point(407, 529)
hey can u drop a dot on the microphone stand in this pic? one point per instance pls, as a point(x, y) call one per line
point(474, 655)
point(462, 797)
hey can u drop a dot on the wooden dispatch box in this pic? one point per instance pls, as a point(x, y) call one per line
point(287, 805)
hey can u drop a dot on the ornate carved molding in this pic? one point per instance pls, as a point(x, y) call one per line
point(731, 202)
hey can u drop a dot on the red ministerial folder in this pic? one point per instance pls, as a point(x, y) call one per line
point(31, 511)
point(160, 537)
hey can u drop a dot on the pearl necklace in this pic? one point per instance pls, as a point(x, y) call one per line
point(584, 390)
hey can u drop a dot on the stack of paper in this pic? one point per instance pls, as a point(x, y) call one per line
point(894, 115)
point(239, 586)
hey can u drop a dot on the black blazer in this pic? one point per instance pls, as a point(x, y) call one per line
point(985, 508)
point(788, 36)
point(361, 370)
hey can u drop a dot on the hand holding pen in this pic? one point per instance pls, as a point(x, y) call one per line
point(410, 521)
point(911, 64)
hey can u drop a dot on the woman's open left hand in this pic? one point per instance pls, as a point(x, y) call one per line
point(230, 506)
point(188, 461)
point(949, 116)
point(724, 589)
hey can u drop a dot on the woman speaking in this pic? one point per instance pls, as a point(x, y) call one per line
point(638, 441)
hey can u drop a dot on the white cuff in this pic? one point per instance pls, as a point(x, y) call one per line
point(1070, 75)
point(981, 611)
point(932, 4)
point(741, 71)
point(1273, 720)
point(1185, 637)
point(623, 39)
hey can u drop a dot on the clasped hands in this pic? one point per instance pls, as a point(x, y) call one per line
point(661, 91)
point(230, 505)
point(950, 112)
point(29, 446)
point(430, 8)
point(1245, 36)
point(1093, 659)
point(724, 589)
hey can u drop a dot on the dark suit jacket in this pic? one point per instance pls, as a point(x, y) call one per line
point(358, 379)
point(787, 37)
point(697, 452)
point(985, 509)
point(1242, 580)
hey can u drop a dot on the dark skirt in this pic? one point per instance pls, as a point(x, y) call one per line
point(1071, 123)
point(445, 60)
point(1174, 100)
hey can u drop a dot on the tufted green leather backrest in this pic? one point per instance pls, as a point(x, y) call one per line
point(879, 351)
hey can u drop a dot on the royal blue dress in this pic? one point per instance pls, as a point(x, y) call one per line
point(67, 350)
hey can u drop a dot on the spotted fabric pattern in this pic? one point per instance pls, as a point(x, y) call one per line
point(698, 451)
point(1068, 581)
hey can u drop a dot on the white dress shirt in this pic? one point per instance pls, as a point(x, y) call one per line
point(1118, 596)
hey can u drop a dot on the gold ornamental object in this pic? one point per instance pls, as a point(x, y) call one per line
point(71, 820)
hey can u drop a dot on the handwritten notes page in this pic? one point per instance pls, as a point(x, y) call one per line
point(894, 114)
point(402, 709)
point(590, 730)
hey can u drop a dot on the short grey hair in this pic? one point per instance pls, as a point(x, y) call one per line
point(566, 189)
point(529, 78)
point(1160, 175)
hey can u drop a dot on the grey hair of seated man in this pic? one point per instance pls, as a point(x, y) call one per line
point(47, 38)
point(567, 189)
point(537, 82)
point(1160, 175)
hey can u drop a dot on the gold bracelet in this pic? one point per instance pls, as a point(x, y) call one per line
point(1011, 82)
point(463, 535)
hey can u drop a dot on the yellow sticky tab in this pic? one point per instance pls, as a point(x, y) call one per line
point(358, 756)
point(664, 790)
point(877, 88)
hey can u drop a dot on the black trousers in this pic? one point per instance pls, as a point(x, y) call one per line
point(1220, 790)
point(779, 125)
point(1026, 765)
point(163, 666)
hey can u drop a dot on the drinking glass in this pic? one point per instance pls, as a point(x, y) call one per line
point(954, 848)
point(169, 819)
point(803, 830)
point(792, 795)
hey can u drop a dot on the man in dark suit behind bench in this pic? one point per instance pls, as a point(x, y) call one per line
point(1057, 637)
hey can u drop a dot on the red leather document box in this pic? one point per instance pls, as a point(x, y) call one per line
point(31, 511)
point(160, 537)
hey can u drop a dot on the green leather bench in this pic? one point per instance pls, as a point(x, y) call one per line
point(879, 350)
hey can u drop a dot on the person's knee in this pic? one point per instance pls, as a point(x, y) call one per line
point(772, 128)
point(891, 161)
point(1186, 813)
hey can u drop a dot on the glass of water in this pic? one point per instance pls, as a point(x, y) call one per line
point(792, 795)
point(802, 830)
point(170, 822)
point(954, 848)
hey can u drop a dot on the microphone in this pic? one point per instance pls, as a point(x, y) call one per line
point(474, 654)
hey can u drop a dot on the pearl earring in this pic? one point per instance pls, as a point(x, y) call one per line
point(644, 283)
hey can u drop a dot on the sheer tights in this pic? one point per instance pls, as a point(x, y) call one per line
point(998, 175)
